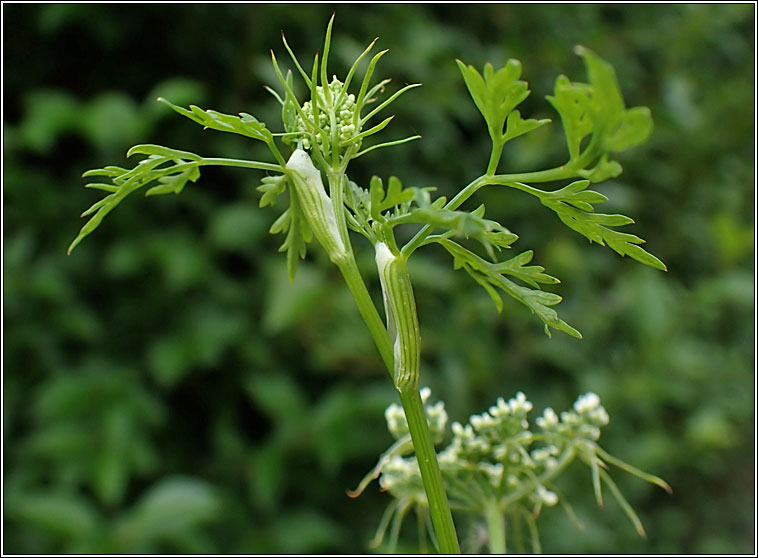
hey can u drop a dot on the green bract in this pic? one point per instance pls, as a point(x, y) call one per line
point(320, 136)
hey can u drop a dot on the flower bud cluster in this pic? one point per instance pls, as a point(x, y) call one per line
point(497, 447)
point(402, 478)
point(543, 496)
point(436, 417)
point(344, 116)
point(584, 421)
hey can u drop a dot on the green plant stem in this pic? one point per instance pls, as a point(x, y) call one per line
point(401, 357)
point(407, 385)
point(240, 163)
point(431, 476)
point(497, 152)
point(496, 529)
point(349, 269)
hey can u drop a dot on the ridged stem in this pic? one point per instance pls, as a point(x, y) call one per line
point(403, 329)
point(398, 343)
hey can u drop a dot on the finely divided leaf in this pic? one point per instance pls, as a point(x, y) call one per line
point(491, 277)
point(395, 195)
point(167, 166)
point(490, 234)
point(244, 124)
point(530, 274)
point(607, 99)
point(603, 170)
point(628, 129)
point(598, 109)
point(496, 95)
point(272, 188)
point(293, 223)
point(573, 205)
point(517, 126)
point(572, 101)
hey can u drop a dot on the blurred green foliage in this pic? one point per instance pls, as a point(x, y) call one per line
point(166, 389)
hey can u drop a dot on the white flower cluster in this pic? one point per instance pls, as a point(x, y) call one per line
point(396, 422)
point(436, 417)
point(497, 447)
point(344, 115)
point(402, 478)
point(504, 418)
point(545, 456)
point(505, 428)
point(585, 421)
point(494, 472)
point(467, 445)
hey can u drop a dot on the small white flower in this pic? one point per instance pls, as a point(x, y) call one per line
point(589, 431)
point(544, 453)
point(571, 419)
point(458, 430)
point(396, 423)
point(494, 472)
point(548, 419)
point(482, 422)
point(501, 410)
point(587, 402)
point(548, 497)
point(436, 417)
point(449, 456)
point(599, 416)
point(520, 403)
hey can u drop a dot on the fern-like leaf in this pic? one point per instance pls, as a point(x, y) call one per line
point(170, 167)
point(491, 276)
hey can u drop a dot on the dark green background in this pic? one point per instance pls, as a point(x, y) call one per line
point(167, 390)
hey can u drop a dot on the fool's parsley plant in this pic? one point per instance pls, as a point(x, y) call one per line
point(495, 465)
